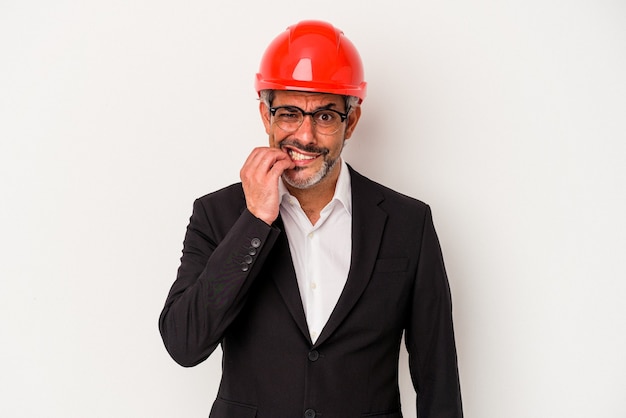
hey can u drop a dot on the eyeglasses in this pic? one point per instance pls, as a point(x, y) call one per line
point(326, 121)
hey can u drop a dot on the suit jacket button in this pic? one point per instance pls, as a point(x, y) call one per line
point(256, 243)
point(314, 355)
point(247, 259)
point(309, 413)
point(245, 267)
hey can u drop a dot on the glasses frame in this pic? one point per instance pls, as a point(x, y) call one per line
point(343, 117)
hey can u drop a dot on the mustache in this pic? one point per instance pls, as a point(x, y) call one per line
point(306, 148)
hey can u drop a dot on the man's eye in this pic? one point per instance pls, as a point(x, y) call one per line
point(287, 115)
point(325, 117)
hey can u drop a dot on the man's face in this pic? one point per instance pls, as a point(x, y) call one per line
point(314, 154)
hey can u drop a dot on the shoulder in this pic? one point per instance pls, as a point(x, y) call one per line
point(234, 192)
point(226, 204)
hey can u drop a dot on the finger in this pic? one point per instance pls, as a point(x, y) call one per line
point(281, 165)
point(254, 163)
point(261, 160)
point(255, 157)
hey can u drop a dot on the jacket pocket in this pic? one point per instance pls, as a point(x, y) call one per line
point(223, 408)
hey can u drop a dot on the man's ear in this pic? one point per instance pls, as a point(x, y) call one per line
point(265, 116)
point(353, 119)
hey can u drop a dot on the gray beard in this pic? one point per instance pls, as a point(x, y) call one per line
point(327, 166)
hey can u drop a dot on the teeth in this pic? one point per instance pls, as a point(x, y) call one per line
point(296, 156)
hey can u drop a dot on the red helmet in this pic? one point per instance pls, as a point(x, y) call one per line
point(312, 56)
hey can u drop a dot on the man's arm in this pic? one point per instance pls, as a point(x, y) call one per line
point(430, 335)
point(212, 283)
point(215, 273)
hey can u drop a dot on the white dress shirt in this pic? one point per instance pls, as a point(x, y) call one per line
point(321, 253)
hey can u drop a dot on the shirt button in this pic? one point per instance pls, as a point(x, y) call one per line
point(314, 355)
point(255, 242)
point(309, 413)
point(310, 235)
point(313, 285)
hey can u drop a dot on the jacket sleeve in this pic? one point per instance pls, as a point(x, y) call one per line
point(213, 280)
point(430, 335)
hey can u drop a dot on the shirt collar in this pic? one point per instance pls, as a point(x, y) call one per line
point(343, 189)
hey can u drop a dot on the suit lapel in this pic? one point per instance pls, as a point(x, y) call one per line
point(368, 224)
point(284, 276)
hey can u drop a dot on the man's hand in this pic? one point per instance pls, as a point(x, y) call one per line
point(259, 177)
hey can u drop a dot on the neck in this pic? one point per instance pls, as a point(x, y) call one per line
point(315, 198)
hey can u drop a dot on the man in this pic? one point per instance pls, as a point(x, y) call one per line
point(306, 272)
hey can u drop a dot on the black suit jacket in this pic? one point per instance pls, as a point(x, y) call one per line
point(236, 286)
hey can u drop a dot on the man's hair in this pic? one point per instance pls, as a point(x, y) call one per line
point(267, 97)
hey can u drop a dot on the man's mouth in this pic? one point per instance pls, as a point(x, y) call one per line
point(298, 156)
point(302, 154)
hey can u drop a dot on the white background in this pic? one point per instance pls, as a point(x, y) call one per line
point(507, 117)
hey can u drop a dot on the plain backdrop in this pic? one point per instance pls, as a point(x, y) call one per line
point(507, 117)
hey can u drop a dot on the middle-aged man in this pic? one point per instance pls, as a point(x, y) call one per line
point(307, 273)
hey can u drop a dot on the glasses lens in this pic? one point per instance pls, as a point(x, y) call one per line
point(327, 121)
point(288, 118)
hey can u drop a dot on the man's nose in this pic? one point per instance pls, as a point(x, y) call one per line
point(306, 130)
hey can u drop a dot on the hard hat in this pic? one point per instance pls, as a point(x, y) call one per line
point(312, 56)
